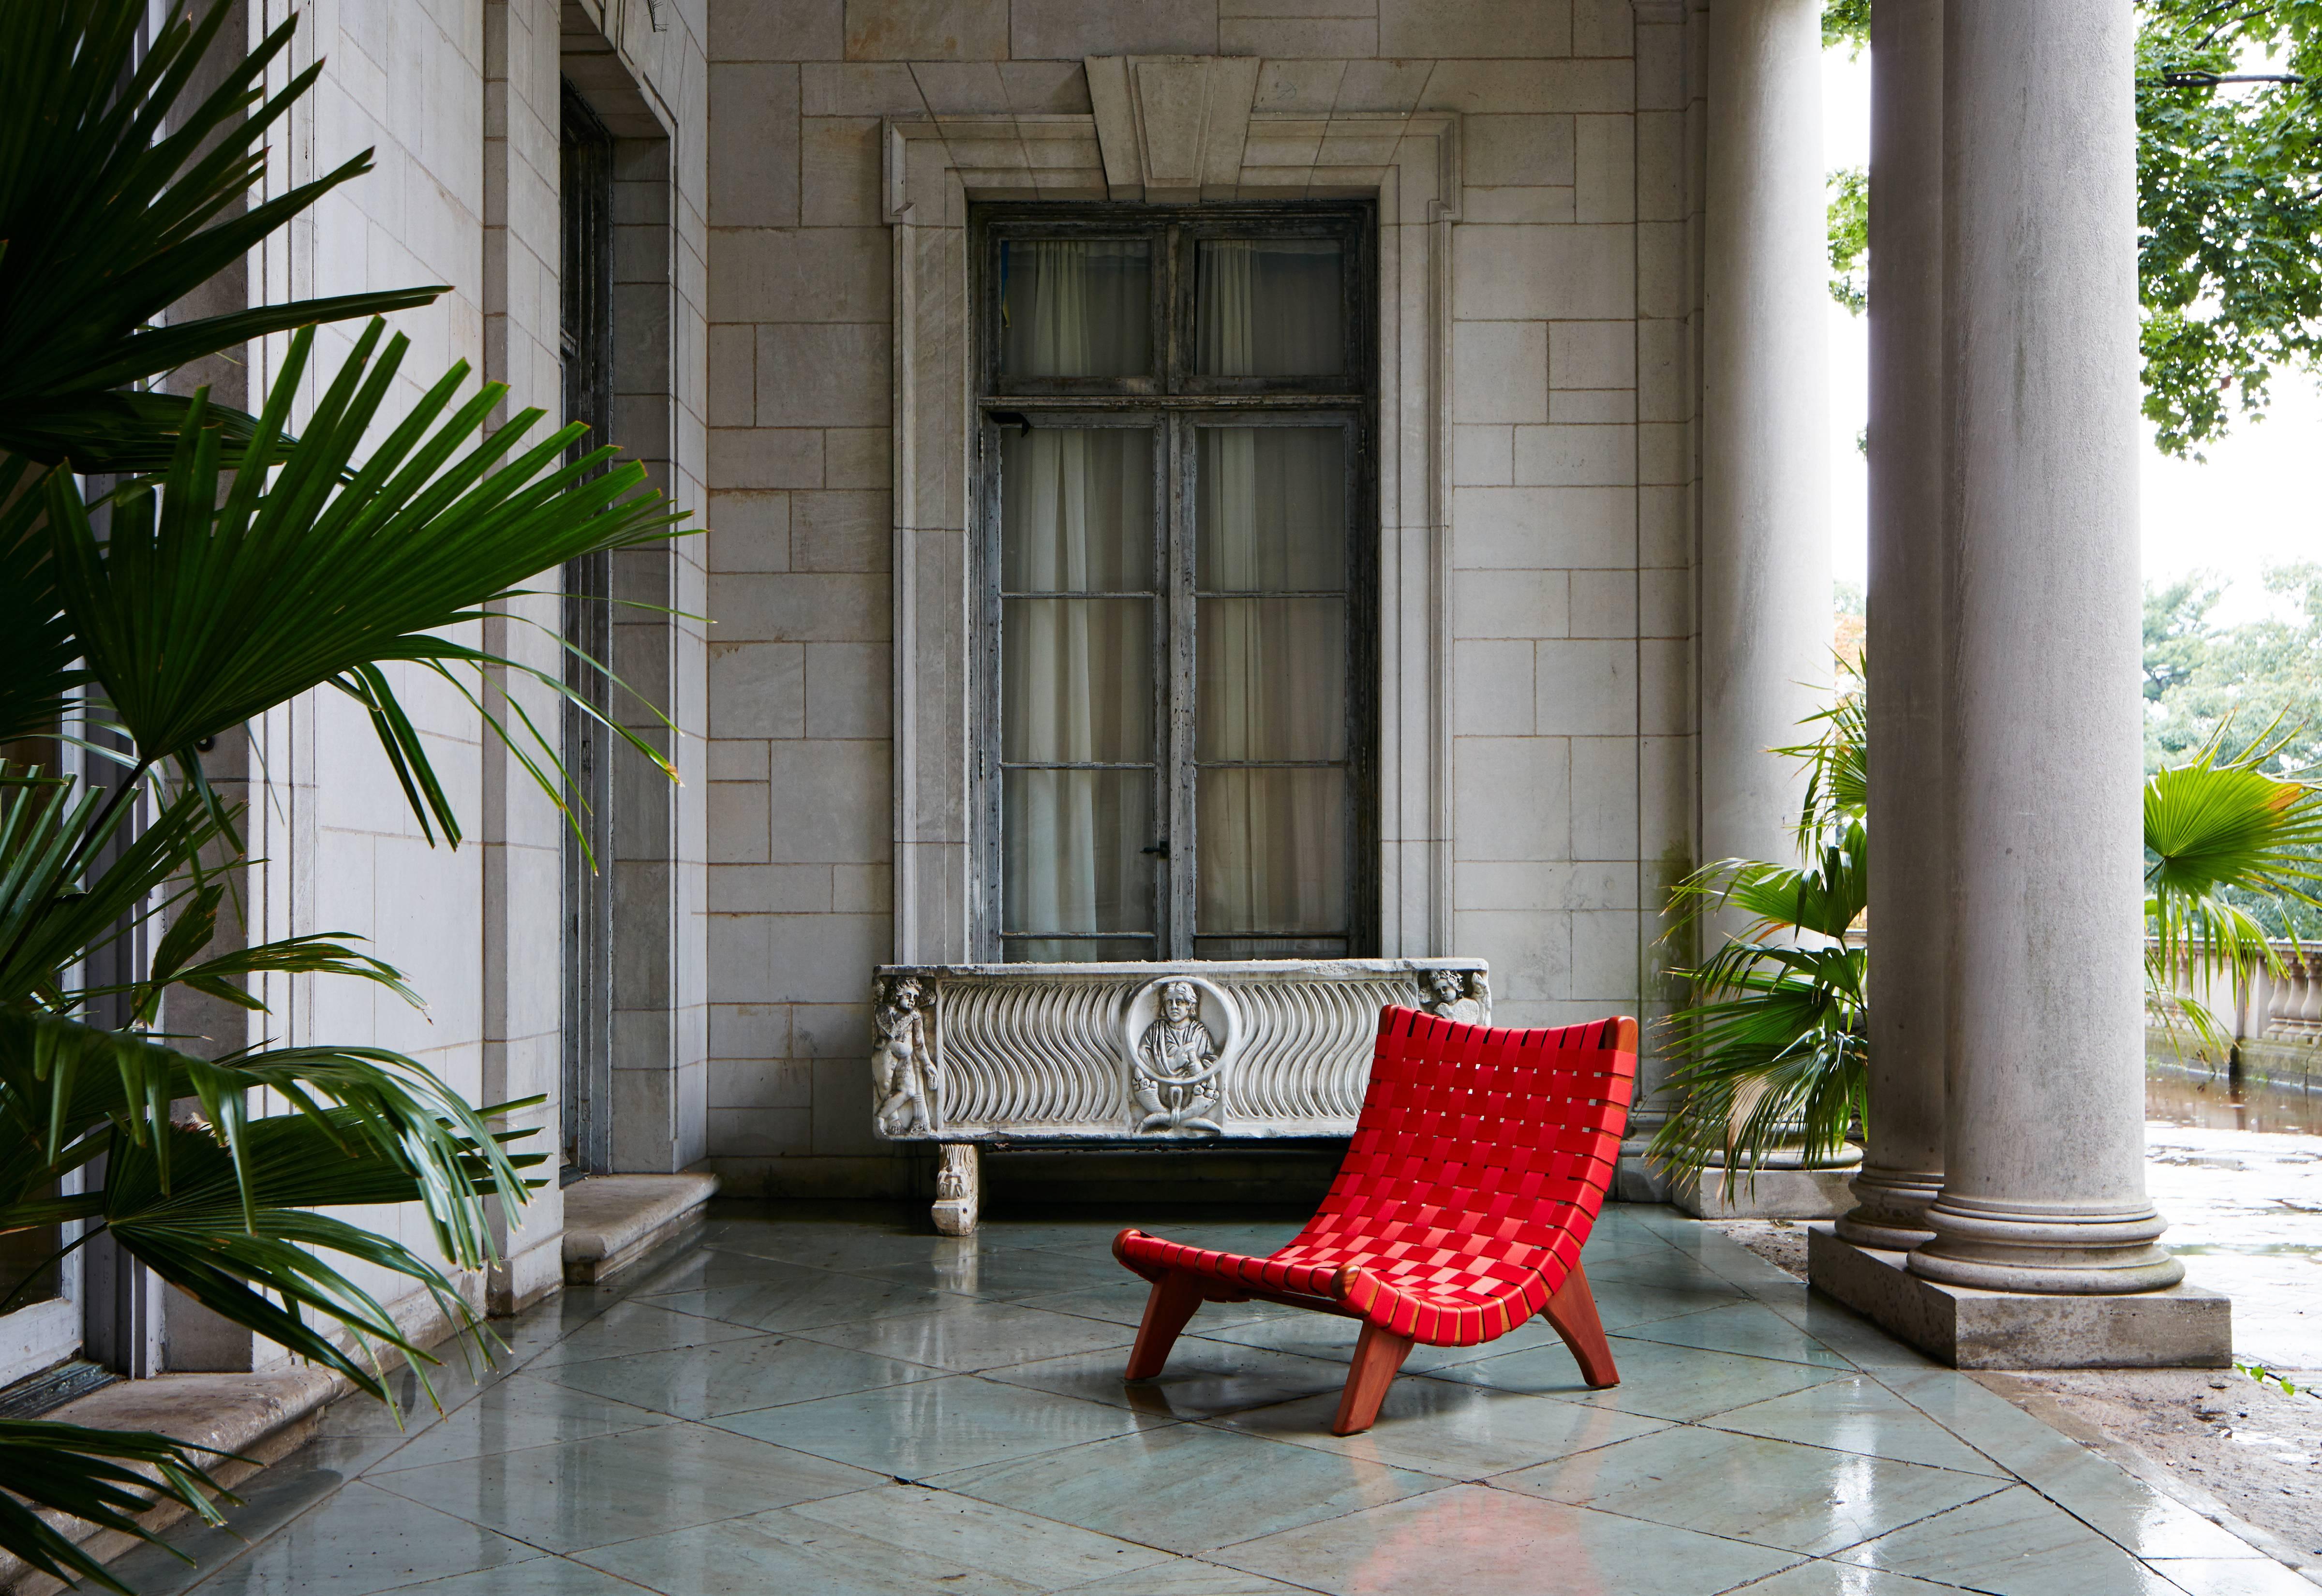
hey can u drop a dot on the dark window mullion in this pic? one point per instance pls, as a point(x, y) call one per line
point(1185, 841)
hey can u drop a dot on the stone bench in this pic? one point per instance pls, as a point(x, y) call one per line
point(1139, 1054)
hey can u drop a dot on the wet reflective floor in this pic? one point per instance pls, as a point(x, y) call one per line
point(811, 1402)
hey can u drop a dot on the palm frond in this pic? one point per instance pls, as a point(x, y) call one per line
point(116, 202)
point(198, 613)
point(103, 1477)
point(65, 1085)
point(38, 660)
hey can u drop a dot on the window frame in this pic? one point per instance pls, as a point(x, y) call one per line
point(1174, 403)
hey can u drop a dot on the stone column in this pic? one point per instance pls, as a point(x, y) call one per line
point(1765, 497)
point(2044, 1154)
point(1910, 875)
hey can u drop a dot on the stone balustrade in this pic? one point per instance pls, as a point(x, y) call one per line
point(2264, 1005)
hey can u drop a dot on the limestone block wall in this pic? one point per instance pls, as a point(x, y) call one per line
point(1569, 368)
point(459, 99)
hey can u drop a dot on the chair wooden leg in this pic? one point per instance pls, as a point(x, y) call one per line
point(1175, 1296)
point(1573, 1311)
point(1378, 1355)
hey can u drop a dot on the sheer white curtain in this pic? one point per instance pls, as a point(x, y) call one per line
point(1271, 565)
point(1271, 679)
point(1073, 307)
point(1077, 673)
point(1076, 686)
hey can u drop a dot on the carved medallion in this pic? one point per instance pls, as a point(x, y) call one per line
point(1179, 1034)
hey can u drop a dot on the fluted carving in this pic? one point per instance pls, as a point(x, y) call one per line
point(1191, 1051)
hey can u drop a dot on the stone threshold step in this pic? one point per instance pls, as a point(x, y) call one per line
point(611, 1221)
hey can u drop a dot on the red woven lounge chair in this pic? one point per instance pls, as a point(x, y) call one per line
point(1474, 1175)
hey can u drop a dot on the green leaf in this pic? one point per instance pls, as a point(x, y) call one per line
point(201, 611)
point(117, 199)
point(105, 1477)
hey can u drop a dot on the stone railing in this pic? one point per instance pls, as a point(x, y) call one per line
point(1134, 1054)
point(2263, 1005)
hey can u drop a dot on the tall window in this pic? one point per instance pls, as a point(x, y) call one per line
point(1178, 550)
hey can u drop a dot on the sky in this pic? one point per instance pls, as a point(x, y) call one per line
point(2253, 504)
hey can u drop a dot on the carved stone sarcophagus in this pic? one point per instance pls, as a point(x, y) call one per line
point(1142, 1052)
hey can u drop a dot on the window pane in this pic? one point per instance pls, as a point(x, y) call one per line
point(1269, 947)
point(1273, 851)
point(1076, 510)
point(1272, 679)
point(1076, 680)
point(1074, 847)
point(1075, 950)
point(1273, 509)
point(1270, 307)
point(1070, 307)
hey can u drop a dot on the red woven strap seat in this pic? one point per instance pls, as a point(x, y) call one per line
point(1477, 1167)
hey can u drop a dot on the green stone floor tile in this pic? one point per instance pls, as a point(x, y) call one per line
point(1657, 1380)
point(1776, 1493)
point(930, 1425)
point(976, 1335)
point(2014, 1543)
point(1188, 1488)
point(1204, 1379)
point(359, 1541)
point(586, 1493)
point(1857, 1414)
point(1460, 1432)
point(735, 1376)
point(1471, 1540)
point(1746, 1327)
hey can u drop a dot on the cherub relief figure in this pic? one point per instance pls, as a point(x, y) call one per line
point(1452, 994)
point(903, 1065)
point(1177, 1065)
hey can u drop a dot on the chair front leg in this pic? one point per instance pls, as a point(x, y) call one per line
point(1176, 1295)
point(1378, 1355)
point(1572, 1310)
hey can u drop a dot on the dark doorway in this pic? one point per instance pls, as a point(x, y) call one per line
point(586, 342)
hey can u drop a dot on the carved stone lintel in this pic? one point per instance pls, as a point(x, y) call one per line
point(959, 1188)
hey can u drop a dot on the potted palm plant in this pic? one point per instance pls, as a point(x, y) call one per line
point(238, 567)
point(1772, 1053)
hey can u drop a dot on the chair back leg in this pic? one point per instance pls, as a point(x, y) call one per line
point(1572, 1310)
point(1175, 1297)
point(1378, 1355)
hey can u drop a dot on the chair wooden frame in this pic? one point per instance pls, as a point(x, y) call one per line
point(1477, 1168)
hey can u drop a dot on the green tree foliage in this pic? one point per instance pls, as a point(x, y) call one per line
point(2229, 184)
point(1849, 237)
point(2206, 685)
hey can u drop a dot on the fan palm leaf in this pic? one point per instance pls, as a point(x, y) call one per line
point(101, 1477)
point(2222, 823)
point(116, 202)
point(208, 605)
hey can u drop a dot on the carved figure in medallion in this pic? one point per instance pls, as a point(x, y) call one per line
point(1177, 1065)
point(903, 1065)
point(1449, 994)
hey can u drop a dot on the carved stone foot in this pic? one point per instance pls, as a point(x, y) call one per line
point(959, 1188)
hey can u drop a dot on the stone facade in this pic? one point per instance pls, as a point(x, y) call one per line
point(1566, 780)
point(1541, 453)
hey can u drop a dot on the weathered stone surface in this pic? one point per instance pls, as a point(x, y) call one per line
point(2179, 1327)
point(611, 1221)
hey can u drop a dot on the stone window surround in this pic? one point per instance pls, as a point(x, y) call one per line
point(1156, 145)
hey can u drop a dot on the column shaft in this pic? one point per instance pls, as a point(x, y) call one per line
point(2045, 1151)
point(1910, 871)
point(1765, 512)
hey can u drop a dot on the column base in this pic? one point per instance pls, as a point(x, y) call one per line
point(2179, 1327)
point(1890, 1208)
